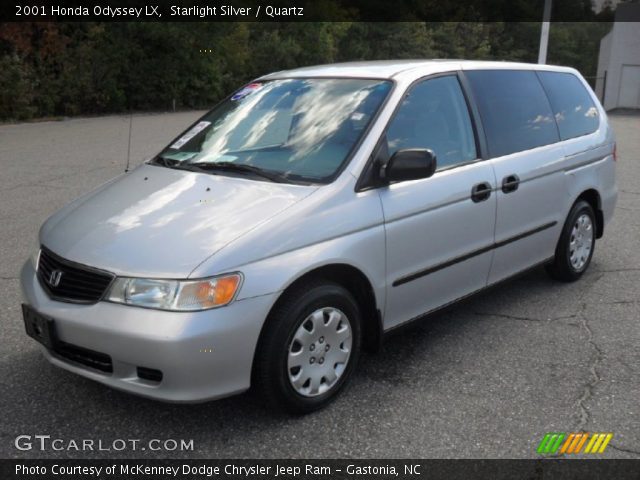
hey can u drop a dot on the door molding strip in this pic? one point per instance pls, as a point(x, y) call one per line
point(467, 256)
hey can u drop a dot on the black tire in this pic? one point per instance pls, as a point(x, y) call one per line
point(271, 373)
point(561, 267)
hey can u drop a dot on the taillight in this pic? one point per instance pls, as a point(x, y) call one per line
point(615, 152)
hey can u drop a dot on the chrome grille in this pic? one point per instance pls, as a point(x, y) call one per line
point(69, 281)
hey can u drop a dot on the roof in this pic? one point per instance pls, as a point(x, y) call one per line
point(394, 68)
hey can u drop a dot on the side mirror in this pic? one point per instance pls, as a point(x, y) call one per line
point(410, 164)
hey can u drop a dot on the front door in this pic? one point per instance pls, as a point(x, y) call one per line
point(439, 230)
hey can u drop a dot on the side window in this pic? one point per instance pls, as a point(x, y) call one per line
point(434, 115)
point(572, 106)
point(515, 111)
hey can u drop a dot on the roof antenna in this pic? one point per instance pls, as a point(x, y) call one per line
point(126, 168)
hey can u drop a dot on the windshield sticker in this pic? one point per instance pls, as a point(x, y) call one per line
point(196, 129)
point(243, 92)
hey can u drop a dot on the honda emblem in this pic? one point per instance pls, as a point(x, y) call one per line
point(54, 278)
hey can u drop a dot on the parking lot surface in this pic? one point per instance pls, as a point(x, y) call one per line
point(486, 379)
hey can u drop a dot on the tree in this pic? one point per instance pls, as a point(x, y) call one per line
point(92, 68)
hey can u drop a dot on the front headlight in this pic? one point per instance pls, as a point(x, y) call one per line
point(177, 295)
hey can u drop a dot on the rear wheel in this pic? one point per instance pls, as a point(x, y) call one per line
point(309, 347)
point(576, 244)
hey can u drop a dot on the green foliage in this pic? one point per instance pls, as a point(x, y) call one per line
point(382, 41)
point(462, 40)
point(50, 69)
point(16, 88)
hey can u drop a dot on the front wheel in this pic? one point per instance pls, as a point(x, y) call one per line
point(309, 347)
point(576, 244)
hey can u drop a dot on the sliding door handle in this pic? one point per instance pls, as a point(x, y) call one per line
point(510, 183)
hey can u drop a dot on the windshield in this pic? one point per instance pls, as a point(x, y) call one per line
point(298, 129)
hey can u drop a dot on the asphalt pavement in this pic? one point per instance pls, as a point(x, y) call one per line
point(487, 379)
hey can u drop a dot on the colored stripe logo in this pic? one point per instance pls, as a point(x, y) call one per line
point(572, 443)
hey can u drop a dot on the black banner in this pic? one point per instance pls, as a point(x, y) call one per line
point(297, 10)
point(320, 469)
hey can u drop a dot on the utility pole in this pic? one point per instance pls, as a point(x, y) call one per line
point(544, 34)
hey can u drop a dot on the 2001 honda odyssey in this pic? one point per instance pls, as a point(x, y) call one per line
point(312, 211)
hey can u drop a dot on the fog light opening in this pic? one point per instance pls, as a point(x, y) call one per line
point(149, 374)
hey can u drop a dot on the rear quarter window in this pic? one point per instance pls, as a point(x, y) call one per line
point(515, 111)
point(572, 106)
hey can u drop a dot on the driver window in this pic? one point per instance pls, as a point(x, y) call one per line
point(434, 115)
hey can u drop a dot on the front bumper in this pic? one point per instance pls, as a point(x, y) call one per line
point(202, 355)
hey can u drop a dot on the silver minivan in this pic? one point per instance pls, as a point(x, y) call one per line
point(311, 212)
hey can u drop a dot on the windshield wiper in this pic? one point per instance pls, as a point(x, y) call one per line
point(164, 161)
point(236, 167)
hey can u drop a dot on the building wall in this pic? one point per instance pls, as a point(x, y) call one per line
point(620, 47)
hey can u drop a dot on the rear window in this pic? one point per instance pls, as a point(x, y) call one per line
point(515, 111)
point(572, 106)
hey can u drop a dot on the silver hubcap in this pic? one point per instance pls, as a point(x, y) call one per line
point(319, 352)
point(581, 242)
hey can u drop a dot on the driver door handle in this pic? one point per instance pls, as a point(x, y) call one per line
point(481, 192)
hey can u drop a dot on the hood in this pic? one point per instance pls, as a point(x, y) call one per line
point(160, 222)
